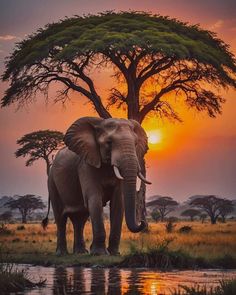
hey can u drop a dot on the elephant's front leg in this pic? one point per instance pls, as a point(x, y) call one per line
point(95, 207)
point(116, 217)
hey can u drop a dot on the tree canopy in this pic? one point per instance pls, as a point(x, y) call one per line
point(213, 206)
point(163, 205)
point(26, 205)
point(171, 56)
point(191, 213)
point(40, 144)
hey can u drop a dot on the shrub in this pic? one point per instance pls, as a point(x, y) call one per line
point(185, 229)
point(17, 240)
point(4, 231)
point(170, 226)
point(20, 227)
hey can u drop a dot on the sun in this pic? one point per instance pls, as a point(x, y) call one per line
point(154, 137)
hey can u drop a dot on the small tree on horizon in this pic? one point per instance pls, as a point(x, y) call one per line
point(26, 204)
point(40, 144)
point(6, 216)
point(203, 217)
point(210, 204)
point(191, 213)
point(164, 205)
point(226, 208)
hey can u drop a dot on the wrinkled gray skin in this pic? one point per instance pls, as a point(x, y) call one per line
point(82, 181)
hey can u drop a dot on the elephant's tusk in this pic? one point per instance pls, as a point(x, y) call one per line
point(138, 184)
point(117, 173)
point(143, 178)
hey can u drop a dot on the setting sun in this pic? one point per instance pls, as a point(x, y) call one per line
point(154, 137)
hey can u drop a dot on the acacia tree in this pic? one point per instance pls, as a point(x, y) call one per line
point(190, 213)
point(26, 205)
point(226, 207)
point(40, 144)
point(152, 57)
point(203, 217)
point(6, 216)
point(211, 205)
point(163, 205)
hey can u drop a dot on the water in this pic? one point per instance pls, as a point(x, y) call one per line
point(75, 280)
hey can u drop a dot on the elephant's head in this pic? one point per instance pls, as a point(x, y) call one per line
point(118, 142)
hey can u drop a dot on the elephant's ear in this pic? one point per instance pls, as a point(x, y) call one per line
point(142, 145)
point(81, 139)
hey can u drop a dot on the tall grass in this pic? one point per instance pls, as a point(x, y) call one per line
point(224, 288)
point(208, 241)
point(14, 280)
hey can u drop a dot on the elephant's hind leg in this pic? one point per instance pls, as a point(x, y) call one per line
point(60, 219)
point(79, 220)
point(61, 236)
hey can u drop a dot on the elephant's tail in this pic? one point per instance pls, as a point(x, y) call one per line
point(45, 220)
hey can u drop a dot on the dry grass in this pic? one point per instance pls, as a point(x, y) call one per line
point(205, 240)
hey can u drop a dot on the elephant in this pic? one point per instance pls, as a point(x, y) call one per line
point(99, 164)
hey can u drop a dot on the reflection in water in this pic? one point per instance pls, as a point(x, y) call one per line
point(74, 280)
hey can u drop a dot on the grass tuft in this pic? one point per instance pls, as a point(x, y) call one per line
point(224, 288)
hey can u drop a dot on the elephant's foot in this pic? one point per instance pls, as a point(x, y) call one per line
point(80, 250)
point(61, 252)
point(98, 250)
point(113, 251)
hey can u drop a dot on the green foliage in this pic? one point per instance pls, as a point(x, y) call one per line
point(40, 144)
point(74, 37)
point(137, 45)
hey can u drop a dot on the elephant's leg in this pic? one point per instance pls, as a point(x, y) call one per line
point(99, 235)
point(116, 217)
point(60, 219)
point(61, 236)
point(79, 220)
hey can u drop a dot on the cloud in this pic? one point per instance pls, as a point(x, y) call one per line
point(217, 25)
point(8, 37)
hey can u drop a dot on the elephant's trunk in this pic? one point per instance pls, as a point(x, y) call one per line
point(129, 169)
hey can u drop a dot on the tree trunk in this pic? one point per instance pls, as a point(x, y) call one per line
point(24, 218)
point(213, 220)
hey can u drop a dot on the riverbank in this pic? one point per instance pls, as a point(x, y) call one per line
point(205, 246)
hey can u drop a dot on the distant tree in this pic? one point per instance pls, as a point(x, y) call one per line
point(190, 213)
point(155, 215)
point(40, 144)
point(164, 205)
point(6, 216)
point(26, 205)
point(226, 207)
point(210, 205)
point(203, 217)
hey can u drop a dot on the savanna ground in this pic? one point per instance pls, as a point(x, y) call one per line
point(35, 245)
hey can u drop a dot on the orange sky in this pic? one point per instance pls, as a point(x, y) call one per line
point(194, 157)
